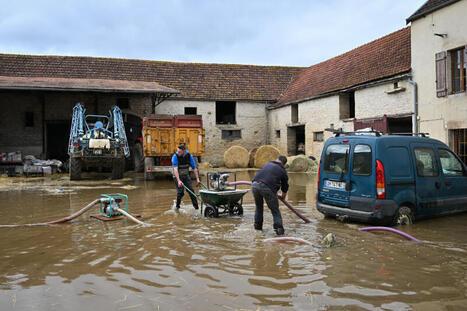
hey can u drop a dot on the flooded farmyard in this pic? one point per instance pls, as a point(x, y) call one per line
point(185, 261)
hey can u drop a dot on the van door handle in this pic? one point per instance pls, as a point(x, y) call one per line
point(447, 183)
point(437, 184)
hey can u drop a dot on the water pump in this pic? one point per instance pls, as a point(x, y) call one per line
point(111, 203)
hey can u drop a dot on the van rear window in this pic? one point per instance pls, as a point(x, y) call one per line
point(336, 158)
point(361, 160)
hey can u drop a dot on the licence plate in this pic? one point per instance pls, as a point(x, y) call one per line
point(334, 184)
point(98, 151)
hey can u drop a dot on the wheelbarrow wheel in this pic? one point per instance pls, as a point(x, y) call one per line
point(211, 212)
point(236, 209)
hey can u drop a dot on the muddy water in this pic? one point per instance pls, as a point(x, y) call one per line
point(187, 262)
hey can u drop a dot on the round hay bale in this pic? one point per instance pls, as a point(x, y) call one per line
point(236, 157)
point(299, 163)
point(264, 154)
point(204, 166)
point(312, 166)
point(252, 157)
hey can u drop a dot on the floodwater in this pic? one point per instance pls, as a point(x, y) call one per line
point(188, 262)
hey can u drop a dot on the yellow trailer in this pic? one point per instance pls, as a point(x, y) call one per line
point(162, 135)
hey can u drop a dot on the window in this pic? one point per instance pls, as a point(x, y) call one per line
point(347, 105)
point(225, 112)
point(458, 68)
point(460, 143)
point(190, 110)
point(426, 162)
point(451, 67)
point(362, 160)
point(29, 119)
point(336, 158)
point(231, 134)
point(278, 133)
point(318, 136)
point(294, 113)
point(123, 103)
point(450, 165)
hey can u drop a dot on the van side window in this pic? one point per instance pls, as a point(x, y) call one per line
point(336, 158)
point(361, 160)
point(450, 165)
point(426, 162)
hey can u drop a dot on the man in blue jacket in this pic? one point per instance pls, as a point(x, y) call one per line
point(181, 162)
point(265, 186)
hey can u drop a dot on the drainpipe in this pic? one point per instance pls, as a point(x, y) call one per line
point(415, 104)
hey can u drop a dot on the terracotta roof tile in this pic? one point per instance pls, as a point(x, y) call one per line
point(384, 57)
point(193, 80)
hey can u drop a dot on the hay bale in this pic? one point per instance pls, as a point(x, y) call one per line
point(299, 163)
point(313, 166)
point(264, 154)
point(252, 157)
point(205, 166)
point(236, 157)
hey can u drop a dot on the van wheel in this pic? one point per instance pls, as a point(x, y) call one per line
point(404, 216)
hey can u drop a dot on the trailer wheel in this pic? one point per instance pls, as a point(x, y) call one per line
point(403, 216)
point(236, 209)
point(211, 212)
point(75, 168)
point(118, 167)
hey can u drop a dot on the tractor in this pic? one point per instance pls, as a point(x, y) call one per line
point(97, 141)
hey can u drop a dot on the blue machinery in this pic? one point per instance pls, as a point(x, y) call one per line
point(81, 133)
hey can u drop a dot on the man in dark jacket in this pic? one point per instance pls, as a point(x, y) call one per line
point(181, 162)
point(266, 183)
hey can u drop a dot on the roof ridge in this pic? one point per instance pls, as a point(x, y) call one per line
point(148, 60)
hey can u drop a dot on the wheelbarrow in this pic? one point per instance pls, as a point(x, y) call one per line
point(217, 198)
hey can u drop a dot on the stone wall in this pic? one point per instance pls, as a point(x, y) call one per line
point(52, 107)
point(321, 113)
point(438, 115)
point(250, 117)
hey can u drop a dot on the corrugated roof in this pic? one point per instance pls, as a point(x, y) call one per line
point(94, 85)
point(428, 7)
point(193, 80)
point(382, 58)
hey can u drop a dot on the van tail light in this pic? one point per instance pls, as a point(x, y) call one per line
point(380, 182)
point(319, 169)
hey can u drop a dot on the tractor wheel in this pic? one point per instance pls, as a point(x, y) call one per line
point(403, 216)
point(236, 210)
point(118, 167)
point(211, 212)
point(138, 158)
point(75, 168)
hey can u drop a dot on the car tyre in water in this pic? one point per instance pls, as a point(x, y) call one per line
point(403, 216)
point(211, 212)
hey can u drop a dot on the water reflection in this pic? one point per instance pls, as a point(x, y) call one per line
point(188, 262)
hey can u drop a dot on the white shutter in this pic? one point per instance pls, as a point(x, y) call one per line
point(441, 85)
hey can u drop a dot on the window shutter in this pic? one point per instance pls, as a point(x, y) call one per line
point(441, 85)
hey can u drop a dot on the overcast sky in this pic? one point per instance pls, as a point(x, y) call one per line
point(262, 32)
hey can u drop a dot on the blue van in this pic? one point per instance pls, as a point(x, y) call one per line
point(389, 179)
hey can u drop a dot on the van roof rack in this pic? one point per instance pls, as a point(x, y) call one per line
point(412, 134)
point(340, 132)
